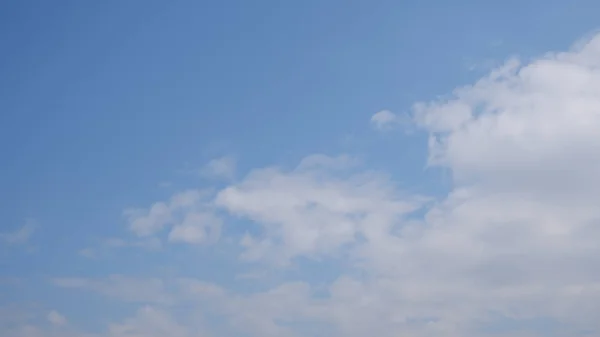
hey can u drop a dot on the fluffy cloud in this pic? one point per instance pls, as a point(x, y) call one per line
point(514, 242)
point(518, 233)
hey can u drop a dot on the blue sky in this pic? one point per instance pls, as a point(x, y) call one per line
point(146, 145)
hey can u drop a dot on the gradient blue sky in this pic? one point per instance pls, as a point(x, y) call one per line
point(112, 105)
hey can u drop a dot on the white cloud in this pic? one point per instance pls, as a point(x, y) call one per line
point(310, 211)
point(220, 168)
point(196, 228)
point(187, 212)
point(144, 223)
point(19, 236)
point(56, 318)
point(519, 232)
point(384, 119)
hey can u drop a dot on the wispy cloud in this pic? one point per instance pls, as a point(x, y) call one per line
point(110, 246)
point(20, 235)
point(384, 119)
point(56, 319)
point(121, 287)
point(220, 168)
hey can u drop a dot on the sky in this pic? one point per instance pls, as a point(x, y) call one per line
point(299, 168)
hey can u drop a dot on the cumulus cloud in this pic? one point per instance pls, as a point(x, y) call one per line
point(514, 242)
point(518, 233)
